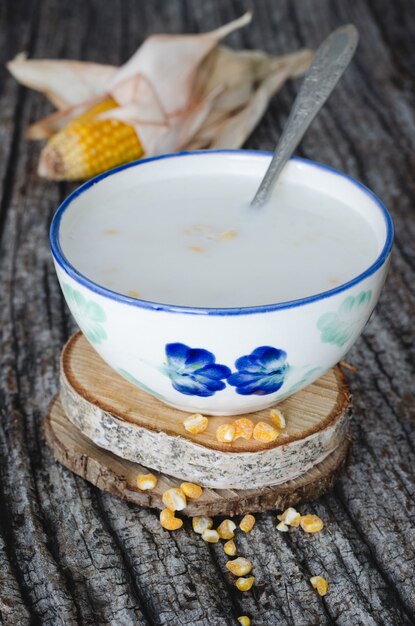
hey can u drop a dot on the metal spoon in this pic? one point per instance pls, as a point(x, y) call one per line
point(325, 71)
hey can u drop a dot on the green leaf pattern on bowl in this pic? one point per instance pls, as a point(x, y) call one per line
point(304, 381)
point(89, 314)
point(139, 384)
point(338, 327)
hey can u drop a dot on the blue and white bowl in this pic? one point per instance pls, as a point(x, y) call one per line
point(233, 360)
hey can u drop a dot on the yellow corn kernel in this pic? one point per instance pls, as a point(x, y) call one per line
point(247, 523)
point(146, 481)
point(320, 584)
point(211, 536)
point(239, 566)
point(230, 547)
point(290, 516)
point(283, 528)
point(228, 234)
point(244, 584)
point(169, 521)
point(265, 432)
point(89, 145)
point(196, 423)
point(198, 229)
point(226, 529)
point(277, 418)
point(225, 433)
point(243, 428)
point(174, 499)
point(244, 620)
point(311, 523)
point(200, 524)
point(191, 490)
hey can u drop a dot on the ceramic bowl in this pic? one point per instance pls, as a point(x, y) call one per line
point(195, 359)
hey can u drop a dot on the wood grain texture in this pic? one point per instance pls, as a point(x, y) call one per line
point(70, 554)
point(127, 421)
point(112, 473)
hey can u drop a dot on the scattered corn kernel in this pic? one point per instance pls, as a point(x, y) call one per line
point(211, 536)
point(225, 433)
point(191, 490)
point(320, 584)
point(146, 481)
point(174, 499)
point(226, 529)
point(311, 523)
point(196, 423)
point(243, 428)
point(169, 521)
point(247, 523)
point(133, 294)
point(230, 547)
point(244, 620)
point(239, 566)
point(200, 524)
point(265, 432)
point(283, 528)
point(277, 418)
point(244, 584)
point(290, 517)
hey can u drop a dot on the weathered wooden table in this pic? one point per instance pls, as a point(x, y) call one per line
point(70, 554)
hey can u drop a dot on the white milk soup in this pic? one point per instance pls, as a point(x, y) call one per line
point(194, 241)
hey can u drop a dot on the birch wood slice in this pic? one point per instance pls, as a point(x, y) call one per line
point(119, 417)
point(118, 476)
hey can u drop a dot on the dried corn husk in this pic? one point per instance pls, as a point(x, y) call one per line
point(177, 91)
point(63, 82)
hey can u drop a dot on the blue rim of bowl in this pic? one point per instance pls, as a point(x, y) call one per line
point(69, 269)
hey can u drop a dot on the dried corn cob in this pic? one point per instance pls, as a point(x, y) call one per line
point(88, 146)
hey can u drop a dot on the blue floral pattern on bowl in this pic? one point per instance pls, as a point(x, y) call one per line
point(339, 326)
point(262, 372)
point(89, 314)
point(193, 371)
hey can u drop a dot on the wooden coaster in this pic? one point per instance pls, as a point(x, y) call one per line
point(125, 420)
point(118, 476)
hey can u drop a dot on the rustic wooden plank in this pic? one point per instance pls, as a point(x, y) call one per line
point(54, 594)
point(70, 555)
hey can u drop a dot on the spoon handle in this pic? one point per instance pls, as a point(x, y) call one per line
point(325, 71)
